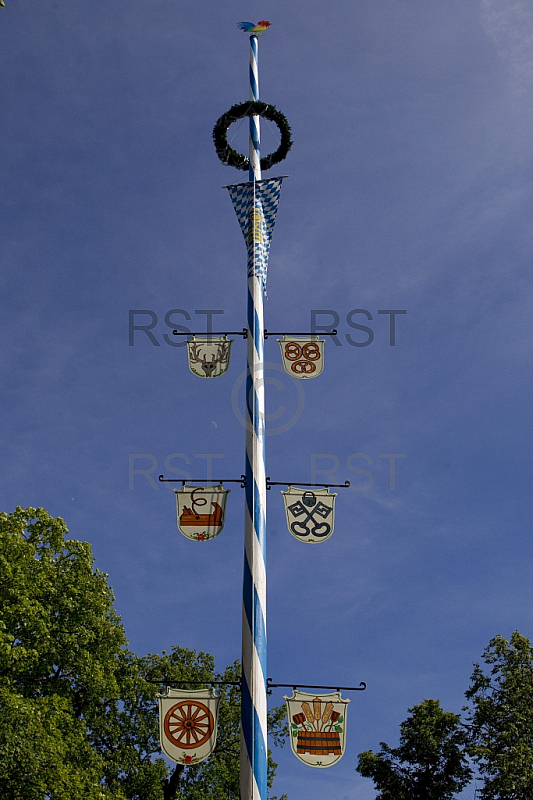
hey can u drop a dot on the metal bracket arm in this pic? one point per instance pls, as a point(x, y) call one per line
point(181, 684)
point(243, 333)
point(270, 483)
point(183, 481)
point(290, 333)
point(360, 688)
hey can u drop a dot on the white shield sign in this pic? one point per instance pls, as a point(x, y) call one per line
point(201, 511)
point(310, 513)
point(303, 356)
point(318, 727)
point(188, 724)
point(209, 356)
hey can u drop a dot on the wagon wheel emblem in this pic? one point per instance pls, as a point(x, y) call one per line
point(189, 724)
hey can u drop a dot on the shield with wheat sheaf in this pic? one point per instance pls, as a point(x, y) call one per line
point(317, 727)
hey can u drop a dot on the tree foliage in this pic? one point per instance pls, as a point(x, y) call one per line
point(60, 641)
point(429, 764)
point(131, 733)
point(500, 718)
point(78, 710)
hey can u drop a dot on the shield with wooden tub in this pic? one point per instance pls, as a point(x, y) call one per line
point(310, 513)
point(209, 355)
point(317, 727)
point(201, 511)
point(303, 356)
point(188, 724)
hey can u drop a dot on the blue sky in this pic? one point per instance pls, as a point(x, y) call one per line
point(410, 187)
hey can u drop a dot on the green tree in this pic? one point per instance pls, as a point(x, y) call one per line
point(429, 764)
point(60, 641)
point(78, 711)
point(131, 731)
point(500, 718)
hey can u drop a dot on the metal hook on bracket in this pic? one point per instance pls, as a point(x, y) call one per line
point(293, 686)
point(312, 333)
point(243, 333)
point(270, 483)
point(184, 481)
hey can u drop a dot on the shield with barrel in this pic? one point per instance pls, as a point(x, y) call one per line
point(318, 727)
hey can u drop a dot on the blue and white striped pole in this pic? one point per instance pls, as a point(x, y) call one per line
point(253, 765)
point(254, 173)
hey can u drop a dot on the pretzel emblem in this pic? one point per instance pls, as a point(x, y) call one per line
point(302, 358)
point(303, 367)
point(293, 351)
point(311, 351)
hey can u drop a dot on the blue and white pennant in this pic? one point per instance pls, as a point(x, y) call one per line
point(256, 205)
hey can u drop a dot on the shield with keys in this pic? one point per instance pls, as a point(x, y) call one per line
point(310, 513)
point(303, 356)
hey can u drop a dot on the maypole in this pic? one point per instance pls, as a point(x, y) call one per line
point(188, 720)
point(253, 768)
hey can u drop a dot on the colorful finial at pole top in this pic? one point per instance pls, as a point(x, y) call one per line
point(254, 109)
point(255, 30)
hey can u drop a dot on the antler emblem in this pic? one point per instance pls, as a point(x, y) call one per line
point(209, 356)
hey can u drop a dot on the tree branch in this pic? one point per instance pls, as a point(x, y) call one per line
point(170, 786)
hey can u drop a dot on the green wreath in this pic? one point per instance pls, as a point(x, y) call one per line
point(250, 109)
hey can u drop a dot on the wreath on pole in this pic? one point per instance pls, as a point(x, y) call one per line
point(252, 108)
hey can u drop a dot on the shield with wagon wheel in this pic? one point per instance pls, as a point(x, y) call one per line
point(188, 724)
point(303, 356)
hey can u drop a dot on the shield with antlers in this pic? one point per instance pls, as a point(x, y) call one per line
point(209, 355)
point(188, 724)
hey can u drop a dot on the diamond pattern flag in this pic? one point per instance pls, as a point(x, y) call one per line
point(256, 205)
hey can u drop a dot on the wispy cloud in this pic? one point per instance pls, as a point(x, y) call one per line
point(510, 25)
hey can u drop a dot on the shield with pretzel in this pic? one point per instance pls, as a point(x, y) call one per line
point(201, 511)
point(209, 356)
point(317, 727)
point(303, 356)
point(188, 724)
point(310, 513)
